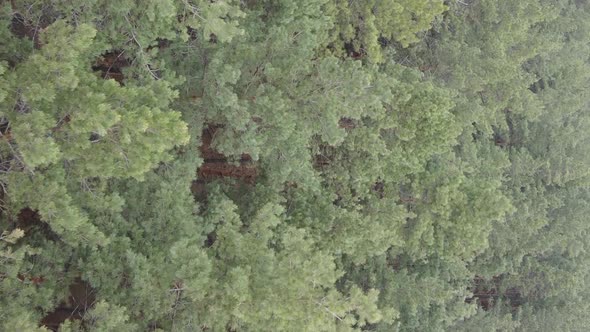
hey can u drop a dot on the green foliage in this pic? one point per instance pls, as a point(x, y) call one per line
point(366, 25)
point(365, 165)
point(76, 128)
point(270, 276)
point(103, 317)
point(484, 321)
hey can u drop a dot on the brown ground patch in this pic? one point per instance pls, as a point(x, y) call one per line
point(216, 165)
point(80, 300)
point(486, 293)
point(110, 65)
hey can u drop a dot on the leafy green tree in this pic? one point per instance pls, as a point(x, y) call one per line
point(76, 130)
point(102, 317)
point(402, 152)
point(365, 26)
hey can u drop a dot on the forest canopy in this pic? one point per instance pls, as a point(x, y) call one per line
point(309, 165)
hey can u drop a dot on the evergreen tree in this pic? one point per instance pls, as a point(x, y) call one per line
point(362, 165)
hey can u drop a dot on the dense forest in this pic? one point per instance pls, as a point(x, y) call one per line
point(307, 165)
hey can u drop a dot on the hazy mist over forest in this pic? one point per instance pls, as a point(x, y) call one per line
point(294, 165)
